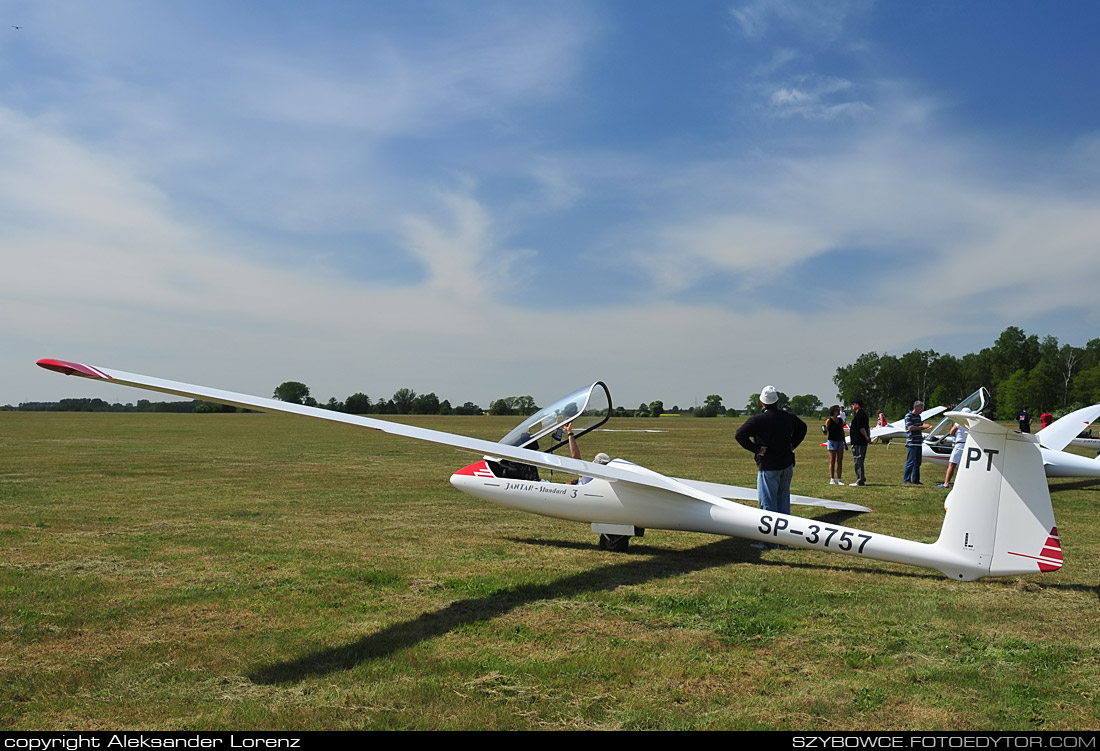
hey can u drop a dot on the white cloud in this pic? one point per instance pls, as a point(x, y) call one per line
point(813, 97)
point(819, 20)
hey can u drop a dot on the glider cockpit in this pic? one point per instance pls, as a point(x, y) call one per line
point(938, 439)
point(587, 409)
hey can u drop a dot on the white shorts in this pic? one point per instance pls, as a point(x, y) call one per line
point(957, 453)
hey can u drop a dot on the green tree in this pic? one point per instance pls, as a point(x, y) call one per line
point(917, 367)
point(1044, 384)
point(526, 405)
point(939, 396)
point(1012, 351)
point(425, 404)
point(712, 407)
point(642, 411)
point(1086, 387)
point(1013, 394)
point(292, 391)
point(656, 408)
point(505, 406)
point(805, 404)
point(514, 405)
point(860, 380)
point(357, 404)
point(403, 400)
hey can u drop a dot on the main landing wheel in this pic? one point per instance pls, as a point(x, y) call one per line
point(615, 543)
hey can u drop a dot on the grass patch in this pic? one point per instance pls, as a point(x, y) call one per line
point(258, 571)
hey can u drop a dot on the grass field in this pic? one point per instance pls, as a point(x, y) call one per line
point(268, 572)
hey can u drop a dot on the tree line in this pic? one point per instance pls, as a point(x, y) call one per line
point(404, 401)
point(1018, 369)
point(98, 405)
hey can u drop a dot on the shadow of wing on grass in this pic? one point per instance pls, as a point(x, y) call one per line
point(658, 563)
point(1079, 485)
point(477, 609)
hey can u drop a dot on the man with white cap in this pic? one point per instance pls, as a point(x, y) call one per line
point(772, 437)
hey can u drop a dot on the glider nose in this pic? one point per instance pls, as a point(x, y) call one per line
point(472, 475)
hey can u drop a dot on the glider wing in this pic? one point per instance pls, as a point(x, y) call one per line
point(749, 494)
point(1059, 433)
point(618, 471)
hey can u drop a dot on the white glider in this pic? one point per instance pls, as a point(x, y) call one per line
point(1052, 439)
point(1002, 525)
point(896, 429)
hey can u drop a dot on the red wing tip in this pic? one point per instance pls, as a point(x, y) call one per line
point(72, 368)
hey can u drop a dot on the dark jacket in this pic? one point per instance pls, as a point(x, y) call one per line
point(857, 425)
point(772, 436)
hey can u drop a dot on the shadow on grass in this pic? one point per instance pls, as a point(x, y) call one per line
point(657, 563)
point(1079, 485)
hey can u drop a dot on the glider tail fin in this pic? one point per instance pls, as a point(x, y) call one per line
point(999, 517)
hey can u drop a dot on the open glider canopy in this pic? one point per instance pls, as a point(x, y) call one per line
point(586, 408)
point(938, 439)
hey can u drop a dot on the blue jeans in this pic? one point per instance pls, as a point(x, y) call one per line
point(773, 486)
point(912, 464)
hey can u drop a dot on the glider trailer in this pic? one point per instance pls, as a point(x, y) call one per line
point(999, 520)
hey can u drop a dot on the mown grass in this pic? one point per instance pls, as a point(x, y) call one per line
point(260, 571)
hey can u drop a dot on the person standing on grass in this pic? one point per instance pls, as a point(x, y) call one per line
point(772, 436)
point(960, 432)
point(834, 435)
point(914, 441)
point(860, 432)
point(1025, 420)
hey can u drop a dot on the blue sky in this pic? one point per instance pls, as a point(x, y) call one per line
point(487, 199)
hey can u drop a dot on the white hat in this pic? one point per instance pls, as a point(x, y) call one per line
point(602, 458)
point(769, 395)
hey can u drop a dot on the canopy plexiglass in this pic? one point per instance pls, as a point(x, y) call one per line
point(586, 408)
point(938, 439)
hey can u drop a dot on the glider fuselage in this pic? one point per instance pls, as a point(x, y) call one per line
point(634, 506)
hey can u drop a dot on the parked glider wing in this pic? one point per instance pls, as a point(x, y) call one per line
point(1062, 431)
point(615, 472)
point(896, 429)
point(749, 494)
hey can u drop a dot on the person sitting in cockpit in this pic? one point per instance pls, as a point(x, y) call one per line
point(575, 452)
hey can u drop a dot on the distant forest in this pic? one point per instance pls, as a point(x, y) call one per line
point(1019, 370)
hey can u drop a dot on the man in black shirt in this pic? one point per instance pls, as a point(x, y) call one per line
point(859, 430)
point(772, 437)
point(1025, 420)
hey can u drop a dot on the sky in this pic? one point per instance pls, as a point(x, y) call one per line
point(487, 199)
